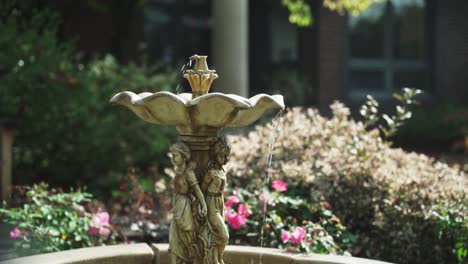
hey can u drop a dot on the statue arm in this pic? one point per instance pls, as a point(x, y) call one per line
point(197, 191)
point(201, 199)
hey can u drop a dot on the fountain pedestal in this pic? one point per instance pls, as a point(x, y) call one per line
point(198, 231)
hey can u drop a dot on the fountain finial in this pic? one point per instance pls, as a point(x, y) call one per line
point(200, 77)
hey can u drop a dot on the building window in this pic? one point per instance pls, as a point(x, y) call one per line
point(176, 29)
point(388, 48)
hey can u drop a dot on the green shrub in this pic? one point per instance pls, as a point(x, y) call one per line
point(441, 125)
point(452, 223)
point(52, 221)
point(383, 195)
point(66, 131)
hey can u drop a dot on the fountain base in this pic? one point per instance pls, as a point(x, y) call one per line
point(158, 254)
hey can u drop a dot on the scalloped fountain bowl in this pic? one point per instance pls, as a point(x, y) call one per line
point(204, 115)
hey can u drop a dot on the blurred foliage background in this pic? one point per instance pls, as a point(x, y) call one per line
point(66, 132)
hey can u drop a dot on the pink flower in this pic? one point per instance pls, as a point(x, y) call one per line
point(16, 233)
point(229, 214)
point(327, 205)
point(279, 186)
point(232, 200)
point(243, 211)
point(285, 236)
point(297, 236)
point(100, 224)
point(236, 220)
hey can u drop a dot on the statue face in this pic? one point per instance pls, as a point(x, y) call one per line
point(176, 158)
point(222, 158)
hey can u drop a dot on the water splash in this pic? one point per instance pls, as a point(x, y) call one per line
point(187, 65)
point(266, 181)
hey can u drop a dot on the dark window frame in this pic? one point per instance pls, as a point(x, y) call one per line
point(388, 64)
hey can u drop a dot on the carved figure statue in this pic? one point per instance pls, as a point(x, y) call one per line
point(213, 184)
point(188, 204)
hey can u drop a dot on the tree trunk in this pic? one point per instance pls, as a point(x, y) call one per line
point(6, 162)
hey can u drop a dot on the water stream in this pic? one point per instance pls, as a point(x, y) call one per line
point(266, 180)
point(180, 77)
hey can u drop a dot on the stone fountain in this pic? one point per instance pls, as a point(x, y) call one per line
point(198, 233)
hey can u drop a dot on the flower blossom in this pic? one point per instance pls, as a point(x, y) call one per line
point(17, 233)
point(285, 236)
point(235, 220)
point(243, 211)
point(327, 205)
point(100, 224)
point(263, 196)
point(239, 218)
point(232, 200)
point(297, 236)
point(279, 186)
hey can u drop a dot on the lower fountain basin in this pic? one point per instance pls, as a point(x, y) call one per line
point(158, 254)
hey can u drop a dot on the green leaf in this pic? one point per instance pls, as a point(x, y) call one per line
point(389, 120)
point(71, 226)
point(462, 253)
point(397, 96)
point(54, 232)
